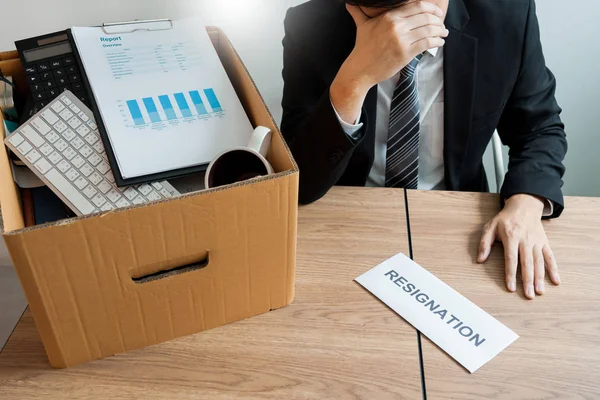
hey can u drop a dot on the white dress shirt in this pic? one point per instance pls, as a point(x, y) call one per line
point(430, 86)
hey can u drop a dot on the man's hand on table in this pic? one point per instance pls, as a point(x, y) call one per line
point(519, 227)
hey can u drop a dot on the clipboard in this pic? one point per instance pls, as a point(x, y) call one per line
point(115, 28)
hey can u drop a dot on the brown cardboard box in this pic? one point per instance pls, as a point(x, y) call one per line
point(92, 282)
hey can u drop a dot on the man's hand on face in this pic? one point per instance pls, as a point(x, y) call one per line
point(519, 228)
point(384, 45)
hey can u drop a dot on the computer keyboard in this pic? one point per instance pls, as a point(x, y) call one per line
point(62, 146)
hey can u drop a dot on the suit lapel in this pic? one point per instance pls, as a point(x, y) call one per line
point(460, 69)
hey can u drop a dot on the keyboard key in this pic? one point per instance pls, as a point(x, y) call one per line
point(166, 193)
point(83, 117)
point(43, 166)
point(83, 130)
point(16, 139)
point(75, 198)
point(130, 193)
point(60, 126)
point(86, 169)
point(60, 145)
point(96, 178)
point(55, 157)
point(103, 167)
point(24, 148)
point(145, 189)
point(72, 174)
point(152, 196)
point(78, 162)
point(33, 156)
point(113, 195)
point(109, 176)
point(89, 191)
point(57, 106)
point(77, 143)
point(52, 137)
point(74, 122)
point(104, 187)
point(157, 185)
point(69, 153)
point(86, 152)
point(80, 183)
point(92, 125)
point(63, 166)
point(99, 147)
point(91, 138)
point(66, 100)
point(49, 116)
point(98, 200)
point(68, 135)
point(107, 207)
point(123, 203)
point(33, 136)
point(40, 125)
point(46, 149)
point(138, 200)
point(66, 114)
point(75, 109)
point(95, 159)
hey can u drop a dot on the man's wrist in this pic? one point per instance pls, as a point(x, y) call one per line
point(348, 91)
point(526, 201)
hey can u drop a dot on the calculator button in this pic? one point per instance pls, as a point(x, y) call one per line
point(68, 61)
point(49, 84)
point(43, 67)
point(40, 104)
point(56, 64)
point(71, 70)
point(63, 88)
point(62, 81)
point(77, 87)
point(31, 69)
point(36, 87)
point(74, 78)
point(44, 76)
point(52, 93)
point(39, 96)
point(33, 79)
point(59, 73)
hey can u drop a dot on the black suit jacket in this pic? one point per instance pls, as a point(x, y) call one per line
point(495, 77)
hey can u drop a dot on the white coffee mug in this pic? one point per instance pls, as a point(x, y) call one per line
point(241, 163)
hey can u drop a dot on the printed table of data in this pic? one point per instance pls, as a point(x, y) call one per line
point(187, 105)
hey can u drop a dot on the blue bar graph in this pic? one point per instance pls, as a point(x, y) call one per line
point(151, 108)
point(183, 105)
point(212, 100)
point(136, 113)
point(165, 102)
point(195, 96)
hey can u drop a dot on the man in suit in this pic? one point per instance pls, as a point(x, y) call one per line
point(407, 94)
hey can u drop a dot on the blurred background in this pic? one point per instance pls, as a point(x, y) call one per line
point(569, 30)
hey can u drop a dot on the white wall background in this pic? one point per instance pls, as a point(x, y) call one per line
point(570, 34)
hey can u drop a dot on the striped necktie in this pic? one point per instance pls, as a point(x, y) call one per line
point(402, 161)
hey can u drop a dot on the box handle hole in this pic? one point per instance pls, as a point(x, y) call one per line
point(166, 273)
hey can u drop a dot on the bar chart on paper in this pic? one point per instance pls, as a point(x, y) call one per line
point(171, 108)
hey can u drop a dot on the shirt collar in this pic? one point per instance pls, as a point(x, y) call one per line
point(433, 52)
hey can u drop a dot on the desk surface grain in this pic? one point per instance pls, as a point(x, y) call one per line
point(335, 341)
point(558, 353)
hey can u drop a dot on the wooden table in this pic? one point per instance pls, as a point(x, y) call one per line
point(558, 353)
point(335, 341)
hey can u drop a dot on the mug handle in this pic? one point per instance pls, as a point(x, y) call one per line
point(260, 140)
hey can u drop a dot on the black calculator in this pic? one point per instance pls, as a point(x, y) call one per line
point(51, 68)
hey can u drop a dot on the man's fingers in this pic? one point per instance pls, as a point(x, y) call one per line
point(527, 272)
point(429, 31)
point(511, 260)
point(551, 264)
point(420, 20)
point(426, 44)
point(417, 7)
point(539, 269)
point(487, 240)
point(357, 14)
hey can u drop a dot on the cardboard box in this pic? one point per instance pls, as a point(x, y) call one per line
point(122, 280)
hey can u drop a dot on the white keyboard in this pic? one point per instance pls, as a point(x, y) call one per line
point(62, 146)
